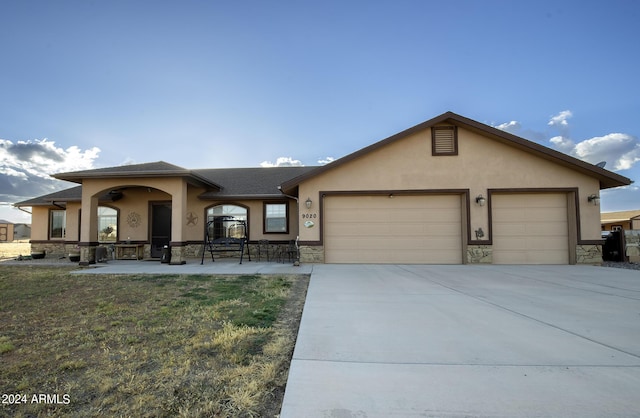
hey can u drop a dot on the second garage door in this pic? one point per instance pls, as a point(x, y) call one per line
point(530, 229)
point(423, 229)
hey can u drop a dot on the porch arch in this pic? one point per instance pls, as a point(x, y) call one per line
point(134, 196)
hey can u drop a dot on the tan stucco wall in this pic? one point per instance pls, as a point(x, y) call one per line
point(481, 164)
point(73, 221)
point(255, 212)
point(39, 223)
point(136, 197)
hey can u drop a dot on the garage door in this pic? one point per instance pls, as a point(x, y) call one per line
point(530, 229)
point(398, 229)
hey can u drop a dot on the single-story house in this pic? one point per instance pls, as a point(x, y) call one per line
point(447, 191)
point(618, 221)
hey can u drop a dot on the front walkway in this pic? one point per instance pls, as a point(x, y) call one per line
point(220, 266)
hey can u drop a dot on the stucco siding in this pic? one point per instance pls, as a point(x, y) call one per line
point(481, 164)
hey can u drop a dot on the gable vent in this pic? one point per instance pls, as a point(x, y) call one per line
point(444, 140)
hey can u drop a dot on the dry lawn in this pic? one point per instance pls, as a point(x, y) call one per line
point(14, 249)
point(145, 346)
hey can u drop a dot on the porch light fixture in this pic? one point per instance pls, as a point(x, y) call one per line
point(595, 199)
point(479, 233)
point(308, 203)
point(481, 200)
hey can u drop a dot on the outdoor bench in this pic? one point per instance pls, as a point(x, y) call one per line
point(224, 245)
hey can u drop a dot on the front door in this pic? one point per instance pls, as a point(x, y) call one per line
point(160, 227)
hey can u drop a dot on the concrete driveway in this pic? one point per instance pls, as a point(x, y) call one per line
point(467, 341)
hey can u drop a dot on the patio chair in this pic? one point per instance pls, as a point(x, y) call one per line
point(263, 248)
point(291, 252)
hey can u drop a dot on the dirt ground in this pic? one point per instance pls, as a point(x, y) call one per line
point(14, 249)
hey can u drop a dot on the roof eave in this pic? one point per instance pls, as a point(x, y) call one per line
point(205, 196)
point(190, 176)
point(606, 178)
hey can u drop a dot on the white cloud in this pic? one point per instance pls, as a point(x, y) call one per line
point(563, 144)
point(40, 158)
point(26, 167)
point(327, 160)
point(560, 120)
point(620, 151)
point(513, 126)
point(282, 162)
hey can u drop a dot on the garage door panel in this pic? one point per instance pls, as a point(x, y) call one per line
point(378, 256)
point(530, 229)
point(403, 229)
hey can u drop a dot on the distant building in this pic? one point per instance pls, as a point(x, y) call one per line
point(617, 221)
point(6, 231)
point(21, 231)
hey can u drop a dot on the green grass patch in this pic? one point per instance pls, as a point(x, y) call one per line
point(147, 346)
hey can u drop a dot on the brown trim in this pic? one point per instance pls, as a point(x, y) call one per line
point(49, 224)
point(133, 241)
point(228, 203)
point(80, 223)
point(434, 129)
point(567, 190)
point(254, 197)
point(54, 241)
point(180, 243)
point(88, 244)
point(310, 243)
point(591, 242)
point(116, 208)
point(404, 192)
point(606, 178)
point(264, 216)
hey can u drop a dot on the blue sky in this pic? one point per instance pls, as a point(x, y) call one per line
point(199, 84)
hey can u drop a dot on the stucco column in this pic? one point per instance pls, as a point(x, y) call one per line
point(178, 214)
point(88, 228)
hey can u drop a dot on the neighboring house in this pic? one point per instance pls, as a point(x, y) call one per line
point(6, 231)
point(624, 220)
point(447, 191)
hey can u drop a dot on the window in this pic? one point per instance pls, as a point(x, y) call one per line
point(275, 218)
point(225, 221)
point(107, 224)
point(444, 140)
point(57, 224)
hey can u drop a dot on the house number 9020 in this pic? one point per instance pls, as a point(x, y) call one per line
point(309, 215)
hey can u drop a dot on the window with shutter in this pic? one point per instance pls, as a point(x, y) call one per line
point(444, 140)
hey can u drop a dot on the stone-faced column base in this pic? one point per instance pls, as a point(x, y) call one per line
point(178, 255)
point(479, 254)
point(589, 254)
point(88, 253)
point(311, 254)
